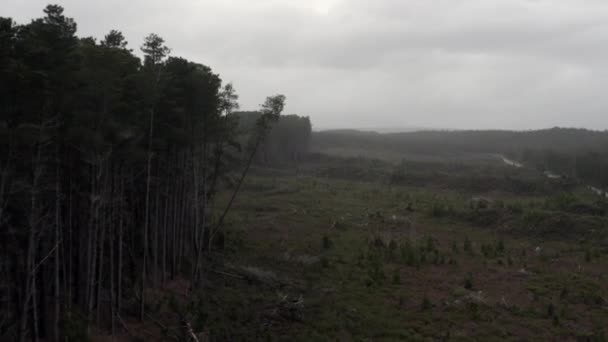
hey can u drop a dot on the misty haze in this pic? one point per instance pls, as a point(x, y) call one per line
point(309, 170)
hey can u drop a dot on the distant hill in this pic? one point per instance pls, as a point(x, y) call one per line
point(574, 152)
point(377, 129)
point(493, 141)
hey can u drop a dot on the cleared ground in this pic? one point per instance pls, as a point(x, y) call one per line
point(339, 249)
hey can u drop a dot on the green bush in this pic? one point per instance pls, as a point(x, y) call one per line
point(455, 247)
point(326, 243)
point(473, 309)
point(500, 246)
point(430, 244)
point(467, 246)
point(438, 210)
point(468, 281)
point(396, 278)
point(75, 327)
point(426, 303)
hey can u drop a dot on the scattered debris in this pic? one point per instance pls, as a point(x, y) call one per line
point(476, 297)
point(511, 162)
point(190, 333)
point(481, 202)
point(466, 296)
point(400, 219)
point(503, 302)
point(254, 274)
point(552, 175)
point(376, 216)
point(307, 259)
point(260, 275)
point(598, 191)
point(288, 308)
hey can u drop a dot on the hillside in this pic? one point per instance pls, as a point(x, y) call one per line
point(578, 153)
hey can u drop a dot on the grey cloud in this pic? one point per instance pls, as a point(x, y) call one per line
point(359, 63)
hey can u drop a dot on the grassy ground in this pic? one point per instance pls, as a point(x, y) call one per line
point(312, 256)
point(374, 261)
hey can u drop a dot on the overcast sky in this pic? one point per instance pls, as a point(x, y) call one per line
point(510, 64)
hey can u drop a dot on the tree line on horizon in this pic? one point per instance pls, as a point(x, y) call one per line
point(288, 140)
point(109, 170)
point(578, 153)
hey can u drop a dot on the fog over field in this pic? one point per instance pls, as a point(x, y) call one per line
point(511, 64)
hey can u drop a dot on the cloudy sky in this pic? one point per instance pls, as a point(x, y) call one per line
point(511, 64)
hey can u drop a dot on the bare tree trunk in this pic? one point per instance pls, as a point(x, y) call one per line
point(95, 200)
point(28, 286)
point(89, 250)
point(5, 267)
point(196, 234)
point(120, 245)
point(33, 222)
point(165, 237)
point(112, 238)
point(35, 306)
point(100, 268)
point(204, 207)
point(57, 241)
point(146, 219)
point(68, 253)
point(112, 295)
point(70, 267)
point(155, 231)
point(3, 182)
point(183, 224)
point(174, 227)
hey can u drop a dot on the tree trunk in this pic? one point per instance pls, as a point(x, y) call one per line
point(155, 232)
point(31, 246)
point(112, 238)
point(57, 242)
point(146, 219)
point(165, 237)
point(120, 245)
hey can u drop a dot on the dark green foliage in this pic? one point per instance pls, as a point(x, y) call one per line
point(588, 255)
point(455, 249)
point(468, 281)
point(408, 253)
point(515, 208)
point(392, 250)
point(379, 243)
point(396, 278)
point(326, 242)
point(426, 303)
point(112, 165)
point(474, 310)
point(439, 210)
point(75, 326)
point(376, 272)
point(555, 321)
point(324, 262)
point(500, 246)
point(550, 310)
point(430, 244)
point(467, 246)
point(488, 250)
